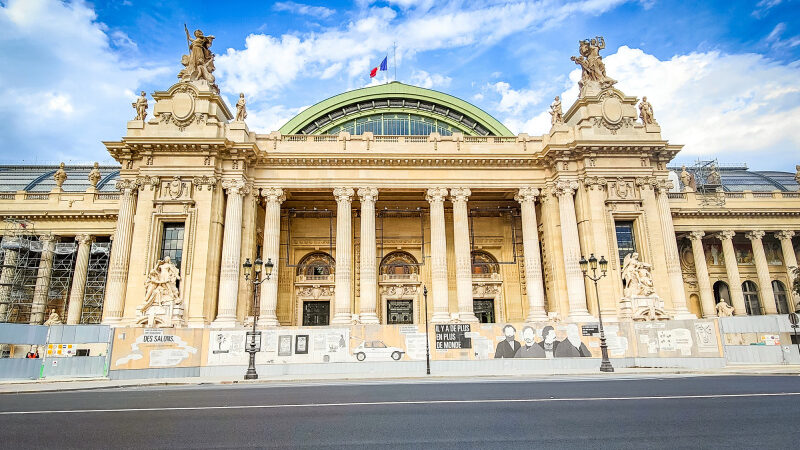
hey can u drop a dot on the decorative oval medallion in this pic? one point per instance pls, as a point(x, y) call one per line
point(612, 110)
point(182, 105)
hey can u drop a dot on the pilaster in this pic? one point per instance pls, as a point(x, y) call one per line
point(534, 279)
point(231, 254)
point(576, 291)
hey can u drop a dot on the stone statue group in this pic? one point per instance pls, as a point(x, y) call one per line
point(162, 301)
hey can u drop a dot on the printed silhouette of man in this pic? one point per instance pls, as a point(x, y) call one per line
point(507, 348)
point(572, 346)
point(549, 342)
point(530, 349)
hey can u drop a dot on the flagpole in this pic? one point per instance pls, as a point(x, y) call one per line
point(394, 59)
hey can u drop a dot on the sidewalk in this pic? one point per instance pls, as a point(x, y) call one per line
point(79, 384)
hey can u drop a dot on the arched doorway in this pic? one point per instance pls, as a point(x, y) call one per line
point(486, 284)
point(314, 289)
point(722, 292)
point(781, 297)
point(751, 303)
point(399, 287)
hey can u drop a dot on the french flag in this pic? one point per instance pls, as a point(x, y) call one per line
point(384, 66)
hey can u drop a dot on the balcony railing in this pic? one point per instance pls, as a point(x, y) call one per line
point(400, 277)
point(315, 278)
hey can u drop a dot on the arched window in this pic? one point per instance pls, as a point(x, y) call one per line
point(781, 297)
point(721, 292)
point(751, 303)
point(399, 263)
point(316, 263)
point(484, 263)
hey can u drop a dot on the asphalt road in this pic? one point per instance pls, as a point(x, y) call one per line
point(588, 412)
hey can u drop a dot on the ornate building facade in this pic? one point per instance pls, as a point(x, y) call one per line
point(370, 197)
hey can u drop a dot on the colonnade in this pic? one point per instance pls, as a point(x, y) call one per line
point(765, 291)
point(527, 196)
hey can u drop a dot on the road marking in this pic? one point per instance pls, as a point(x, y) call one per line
point(408, 402)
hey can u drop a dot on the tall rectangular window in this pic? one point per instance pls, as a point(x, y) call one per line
point(626, 242)
point(172, 242)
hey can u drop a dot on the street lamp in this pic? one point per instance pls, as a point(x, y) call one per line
point(427, 346)
point(254, 344)
point(605, 366)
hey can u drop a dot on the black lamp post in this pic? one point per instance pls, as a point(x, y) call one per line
point(427, 346)
point(605, 366)
point(254, 344)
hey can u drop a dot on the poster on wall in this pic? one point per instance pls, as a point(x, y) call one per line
point(301, 344)
point(452, 336)
point(285, 345)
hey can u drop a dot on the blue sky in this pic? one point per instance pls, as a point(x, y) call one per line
point(722, 76)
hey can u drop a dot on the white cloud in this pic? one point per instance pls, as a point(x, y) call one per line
point(716, 104)
point(299, 8)
point(775, 41)
point(270, 118)
point(763, 7)
point(64, 89)
point(269, 63)
point(515, 101)
point(427, 80)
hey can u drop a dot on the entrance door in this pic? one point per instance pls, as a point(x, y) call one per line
point(484, 310)
point(399, 311)
point(316, 313)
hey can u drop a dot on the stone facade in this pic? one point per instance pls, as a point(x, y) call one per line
point(328, 210)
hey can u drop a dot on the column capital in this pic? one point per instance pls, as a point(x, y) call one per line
point(595, 183)
point(46, 238)
point(435, 195)
point(725, 235)
point(368, 194)
point(646, 182)
point(526, 194)
point(755, 235)
point(235, 186)
point(126, 187)
point(566, 188)
point(696, 235)
point(459, 194)
point(784, 235)
point(84, 239)
point(664, 185)
point(343, 194)
point(273, 195)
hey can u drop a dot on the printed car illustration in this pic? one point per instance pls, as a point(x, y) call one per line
point(377, 350)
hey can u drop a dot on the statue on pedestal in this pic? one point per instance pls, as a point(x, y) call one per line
point(646, 112)
point(687, 179)
point(140, 105)
point(555, 112)
point(54, 319)
point(199, 63)
point(60, 176)
point(713, 177)
point(241, 109)
point(594, 70)
point(724, 309)
point(95, 175)
point(162, 303)
point(640, 301)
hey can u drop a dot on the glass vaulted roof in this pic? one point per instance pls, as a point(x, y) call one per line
point(740, 178)
point(40, 178)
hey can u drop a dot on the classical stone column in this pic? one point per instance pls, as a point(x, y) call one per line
point(570, 243)
point(231, 254)
point(703, 283)
point(42, 280)
point(762, 269)
point(672, 258)
point(732, 269)
point(441, 311)
point(6, 279)
point(530, 246)
point(369, 276)
point(344, 237)
point(789, 260)
point(79, 279)
point(114, 303)
point(273, 198)
point(459, 197)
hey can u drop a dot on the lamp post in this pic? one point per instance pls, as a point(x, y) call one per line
point(254, 344)
point(605, 366)
point(427, 346)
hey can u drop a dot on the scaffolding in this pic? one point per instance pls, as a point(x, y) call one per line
point(61, 278)
point(21, 254)
point(706, 175)
point(96, 275)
